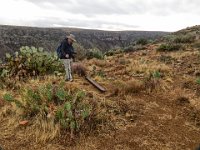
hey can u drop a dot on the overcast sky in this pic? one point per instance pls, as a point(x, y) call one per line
point(157, 15)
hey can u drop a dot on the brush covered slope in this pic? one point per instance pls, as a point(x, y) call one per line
point(14, 37)
point(152, 102)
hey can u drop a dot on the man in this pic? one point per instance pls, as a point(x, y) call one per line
point(67, 52)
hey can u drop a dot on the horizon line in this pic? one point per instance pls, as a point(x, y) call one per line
point(84, 28)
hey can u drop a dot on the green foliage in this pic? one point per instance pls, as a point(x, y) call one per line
point(180, 38)
point(8, 97)
point(113, 52)
point(80, 50)
point(132, 48)
point(46, 92)
point(61, 94)
point(94, 53)
point(70, 109)
point(156, 74)
point(109, 53)
point(198, 81)
point(184, 39)
point(30, 61)
point(101, 73)
point(128, 49)
point(3, 73)
point(169, 47)
point(73, 112)
point(142, 41)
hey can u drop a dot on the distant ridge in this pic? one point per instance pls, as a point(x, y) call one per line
point(13, 37)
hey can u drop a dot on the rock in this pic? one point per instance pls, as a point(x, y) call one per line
point(23, 123)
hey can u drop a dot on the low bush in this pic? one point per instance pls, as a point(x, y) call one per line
point(31, 61)
point(169, 47)
point(184, 39)
point(142, 41)
point(94, 53)
point(71, 109)
point(133, 48)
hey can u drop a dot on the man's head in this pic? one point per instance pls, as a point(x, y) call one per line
point(71, 38)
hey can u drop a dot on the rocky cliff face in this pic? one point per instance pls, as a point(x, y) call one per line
point(13, 37)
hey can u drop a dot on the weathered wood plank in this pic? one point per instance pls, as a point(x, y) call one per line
point(95, 84)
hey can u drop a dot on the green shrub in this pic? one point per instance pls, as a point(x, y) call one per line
point(94, 53)
point(169, 47)
point(101, 73)
point(133, 48)
point(80, 50)
point(142, 41)
point(9, 98)
point(156, 74)
point(109, 53)
point(30, 61)
point(198, 81)
point(113, 52)
point(181, 38)
point(168, 38)
point(128, 49)
point(69, 108)
point(184, 39)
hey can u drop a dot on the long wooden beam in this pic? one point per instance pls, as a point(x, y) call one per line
point(95, 84)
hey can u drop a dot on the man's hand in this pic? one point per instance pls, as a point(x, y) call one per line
point(67, 55)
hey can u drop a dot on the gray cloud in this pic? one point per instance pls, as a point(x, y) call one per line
point(109, 7)
point(106, 14)
point(51, 21)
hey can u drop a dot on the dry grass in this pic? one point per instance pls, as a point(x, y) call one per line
point(40, 129)
point(130, 87)
point(97, 62)
point(45, 129)
point(146, 67)
point(180, 54)
point(154, 85)
point(133, 86)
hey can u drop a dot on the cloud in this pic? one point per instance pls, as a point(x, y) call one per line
point(110, 7)
point(168, 15)
point(92, 24)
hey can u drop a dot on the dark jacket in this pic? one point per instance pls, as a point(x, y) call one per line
point(67, 48)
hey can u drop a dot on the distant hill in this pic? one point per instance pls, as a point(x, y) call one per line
point(188, 36)
point(13, 37)
point(189, 30)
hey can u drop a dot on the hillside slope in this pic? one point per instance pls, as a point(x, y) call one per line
point(152, 102)
point(13, 37)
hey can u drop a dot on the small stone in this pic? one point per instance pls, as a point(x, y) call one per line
point(23, 123)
